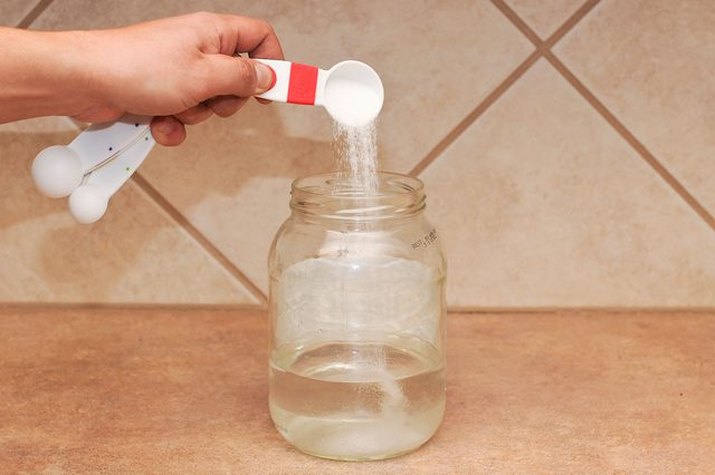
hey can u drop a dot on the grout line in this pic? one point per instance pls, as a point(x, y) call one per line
point(520, 24)
point(130, 306)
point(570, 23)
point(544, 49)
point(202, 240)
point(631, 139)
point(598, 310)
point(541, 48)
point(260, 308)
point(556, 36)
point(33, 14)
point(454, 134)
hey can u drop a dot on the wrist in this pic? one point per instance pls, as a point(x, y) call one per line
point(44, 73)
point(69, 74)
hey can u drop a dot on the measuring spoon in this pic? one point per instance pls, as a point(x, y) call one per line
point(351, 91)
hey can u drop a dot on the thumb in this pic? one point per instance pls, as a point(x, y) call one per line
point(168, 130)
point(235, 76)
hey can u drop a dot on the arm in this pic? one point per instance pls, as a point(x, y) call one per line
point(181, 70)
point(33, 69)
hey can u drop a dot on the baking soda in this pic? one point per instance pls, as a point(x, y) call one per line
point(354, 107)
point(355, 136)
point(356, 150)
point(351, 103)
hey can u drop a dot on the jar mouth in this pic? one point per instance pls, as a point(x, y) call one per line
point(330, 195)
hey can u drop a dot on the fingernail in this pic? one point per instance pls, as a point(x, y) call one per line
point(265, 77)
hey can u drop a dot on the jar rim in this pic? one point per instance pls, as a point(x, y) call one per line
point(330, 195)
point(397, 183)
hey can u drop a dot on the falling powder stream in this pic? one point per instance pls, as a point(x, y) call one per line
point(356, 151)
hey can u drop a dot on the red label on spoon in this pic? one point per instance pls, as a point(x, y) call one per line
point(302, 85)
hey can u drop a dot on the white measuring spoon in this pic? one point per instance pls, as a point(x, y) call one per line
point(351, 91)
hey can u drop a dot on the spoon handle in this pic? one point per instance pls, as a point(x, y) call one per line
point(295, 83)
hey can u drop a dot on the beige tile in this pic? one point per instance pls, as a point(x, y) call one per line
point(135, 254)
point(13, 11)
point(656, 78)
point(437, 61)
point(232, 180)
point(40, 125)
point(541, 203)
point(545, 16)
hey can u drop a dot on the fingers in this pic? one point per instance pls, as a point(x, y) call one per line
point(225, 81)
point(171, 130)
point(168, 131)
point(194, 115)
point(222, 73)
point(249, 35)
point(225, 106)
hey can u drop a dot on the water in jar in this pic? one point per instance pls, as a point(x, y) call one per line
point(359, 376)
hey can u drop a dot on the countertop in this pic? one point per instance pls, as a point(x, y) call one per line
point(167, 390)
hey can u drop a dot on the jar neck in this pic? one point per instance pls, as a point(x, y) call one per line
point(335, 198)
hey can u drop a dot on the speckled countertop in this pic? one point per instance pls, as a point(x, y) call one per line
point(184, 391)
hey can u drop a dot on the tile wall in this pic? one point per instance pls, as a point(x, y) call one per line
point(568, 149)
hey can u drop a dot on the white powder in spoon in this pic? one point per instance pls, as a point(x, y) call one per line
point(350, 102)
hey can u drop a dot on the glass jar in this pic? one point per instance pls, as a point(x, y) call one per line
point(357, 317)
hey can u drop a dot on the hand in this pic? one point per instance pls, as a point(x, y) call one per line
point(181, 69)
